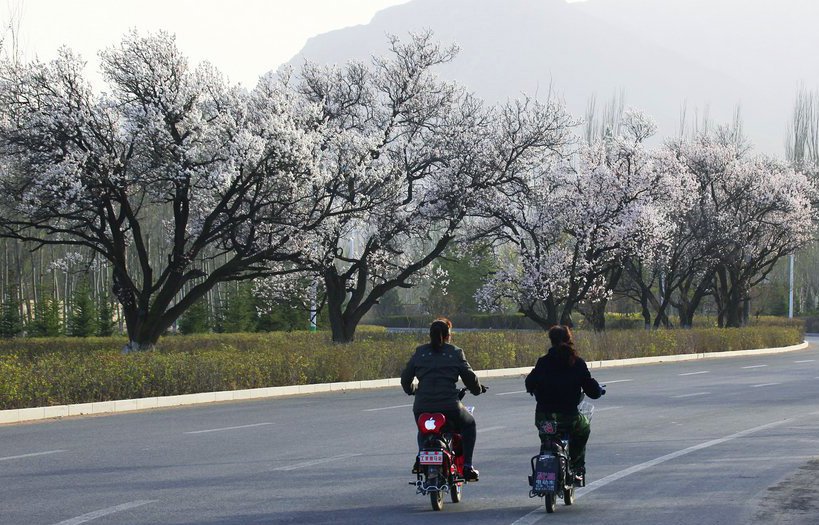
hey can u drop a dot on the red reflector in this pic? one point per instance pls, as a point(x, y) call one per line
point(431, 423)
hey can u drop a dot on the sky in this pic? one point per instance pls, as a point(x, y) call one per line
point(242, 38)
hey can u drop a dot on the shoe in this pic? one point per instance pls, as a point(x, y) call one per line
point(471, 473)
point(580, 477)
point(416, 469)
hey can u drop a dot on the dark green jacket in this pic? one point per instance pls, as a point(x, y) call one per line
point(437, 373)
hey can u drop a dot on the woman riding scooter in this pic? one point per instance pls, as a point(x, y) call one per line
point(437, 365)
point(557, 381)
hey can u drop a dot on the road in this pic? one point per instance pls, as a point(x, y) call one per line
point(709, 442)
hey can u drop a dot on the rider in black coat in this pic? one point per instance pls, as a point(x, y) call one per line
point(557, 381)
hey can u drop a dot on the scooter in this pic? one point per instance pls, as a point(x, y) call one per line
point(440, 461)
point(552, 476)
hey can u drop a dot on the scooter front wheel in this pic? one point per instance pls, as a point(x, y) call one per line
point(455, 492)
point(568, 496)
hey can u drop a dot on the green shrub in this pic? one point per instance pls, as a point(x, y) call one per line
point(41, 372)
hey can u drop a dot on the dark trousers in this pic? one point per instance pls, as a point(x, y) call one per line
point(579, 430)
point(462, 422)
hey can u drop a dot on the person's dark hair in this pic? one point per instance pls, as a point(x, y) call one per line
point(439, 332)
point(563, 342)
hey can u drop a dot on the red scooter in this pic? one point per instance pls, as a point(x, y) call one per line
point(440, 462)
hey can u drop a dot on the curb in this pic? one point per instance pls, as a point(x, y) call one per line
point(20, 415)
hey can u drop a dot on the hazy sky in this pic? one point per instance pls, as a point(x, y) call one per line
point(243, 38)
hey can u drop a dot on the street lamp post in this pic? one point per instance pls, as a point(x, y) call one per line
point(790, 291)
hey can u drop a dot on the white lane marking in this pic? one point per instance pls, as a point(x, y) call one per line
point(765, 384)
point(618, 381)
point(756, 459)
point(386, 408)
point(104, 512)
point(537, 514)
point(33, 454)
point(489, 429)
point(691, 395)
point(227, 428)
point(510, 393)
point(805, 361)
point(606, 408)
point(317, 462)
point(754, 366)
point(695, 373)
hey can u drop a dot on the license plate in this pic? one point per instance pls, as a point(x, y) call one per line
point(431, 457)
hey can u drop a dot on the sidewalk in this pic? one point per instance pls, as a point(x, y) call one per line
point(128, 405)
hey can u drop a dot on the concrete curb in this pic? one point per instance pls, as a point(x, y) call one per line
point(129, 405)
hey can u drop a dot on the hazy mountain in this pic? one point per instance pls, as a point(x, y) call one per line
point(710, 55)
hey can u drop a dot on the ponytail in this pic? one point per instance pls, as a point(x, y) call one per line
point(562, 341)
point(439, 332)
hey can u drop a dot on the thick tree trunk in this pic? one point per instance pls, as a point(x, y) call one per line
point(343, 323)
point(543, 313)
point(596, 316)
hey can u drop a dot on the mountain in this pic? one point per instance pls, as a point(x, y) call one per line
point(707, 55)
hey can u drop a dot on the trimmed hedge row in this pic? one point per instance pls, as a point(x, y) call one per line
point(31, 376)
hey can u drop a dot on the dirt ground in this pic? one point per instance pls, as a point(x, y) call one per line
point(794, 501)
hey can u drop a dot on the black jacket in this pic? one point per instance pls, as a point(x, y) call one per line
point(437, 373)
point(557, 386)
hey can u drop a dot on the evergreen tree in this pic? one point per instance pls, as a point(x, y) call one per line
point(239, 313)
point(287, 317)
point(10, 323)
point(83, 313)
point(105, 321)
point(47, 319)
point(196, 319)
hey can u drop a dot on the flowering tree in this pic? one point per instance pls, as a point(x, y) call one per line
point(761, 210)
point(582, 219)
point(227, 175)
point(409, 159)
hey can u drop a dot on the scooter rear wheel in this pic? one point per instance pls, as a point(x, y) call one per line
point(437, 500)
point(551, 502)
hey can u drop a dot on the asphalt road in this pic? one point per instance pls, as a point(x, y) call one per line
point(723, 441)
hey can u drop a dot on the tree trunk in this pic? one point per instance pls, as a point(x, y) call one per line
point(342, 324)
point(596, 316)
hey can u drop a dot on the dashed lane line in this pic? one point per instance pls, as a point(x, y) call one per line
point(764, 384)
point(386, 408)
point(33, 454)
point(105, 512)
point(695, 373)
point(596, 410)
point(618, 381)
point(694, 394)
point(314, 462)
point(489, 429)
point(753, 366)
point(510, 393)
point(227, 428)
point(805, 361)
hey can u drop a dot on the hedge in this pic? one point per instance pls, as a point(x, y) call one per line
point(63, 371)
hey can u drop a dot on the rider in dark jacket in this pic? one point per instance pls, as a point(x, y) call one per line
point(437, 365)
point(557, 381)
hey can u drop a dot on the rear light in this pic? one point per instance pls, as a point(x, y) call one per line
point(431, 423)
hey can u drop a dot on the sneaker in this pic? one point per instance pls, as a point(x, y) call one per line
point(416, 469)
point(471, 473)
